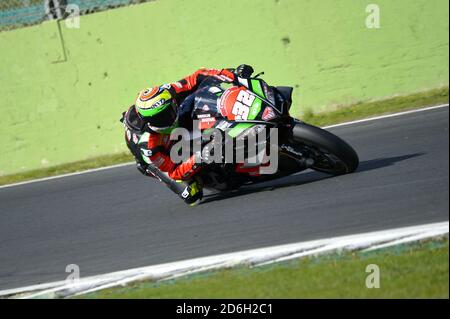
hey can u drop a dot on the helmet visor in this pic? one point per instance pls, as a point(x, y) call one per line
point(164, 119)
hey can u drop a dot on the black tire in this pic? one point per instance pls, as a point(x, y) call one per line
point(333, 149)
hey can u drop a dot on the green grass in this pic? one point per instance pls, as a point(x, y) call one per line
point(417, 270)
point(91, 163)
point(341, 114)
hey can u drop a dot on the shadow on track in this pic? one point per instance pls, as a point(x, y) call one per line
point(383, 162)
point(305, 178)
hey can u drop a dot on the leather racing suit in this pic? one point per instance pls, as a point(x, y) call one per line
point(151, 149)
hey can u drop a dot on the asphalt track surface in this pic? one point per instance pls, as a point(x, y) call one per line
point(117, 219)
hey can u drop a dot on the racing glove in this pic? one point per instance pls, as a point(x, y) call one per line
point(244, 71)
point(212, 149)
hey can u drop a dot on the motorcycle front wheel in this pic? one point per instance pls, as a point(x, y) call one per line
point(330, 154)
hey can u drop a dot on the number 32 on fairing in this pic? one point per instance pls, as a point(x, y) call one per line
point(241, 107)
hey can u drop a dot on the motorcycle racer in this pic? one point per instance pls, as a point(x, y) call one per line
point(157, 111)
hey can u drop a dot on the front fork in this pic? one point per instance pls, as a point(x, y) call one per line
point(302, 158)
point(301, 155)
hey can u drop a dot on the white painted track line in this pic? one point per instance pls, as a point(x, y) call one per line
point(67, 175)
point(388, 116)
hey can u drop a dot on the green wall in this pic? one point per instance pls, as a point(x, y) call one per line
point(54, 110)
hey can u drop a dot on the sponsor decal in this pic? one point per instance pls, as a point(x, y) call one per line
point(206, 123)
point(268, 114)
point(209, 119)
point(201, 116)
point(205, 108)
point(158, 103)
point(128, 134)
point(185, 193)
point(235, 103)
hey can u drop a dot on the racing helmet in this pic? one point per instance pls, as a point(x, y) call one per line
point(158, 108)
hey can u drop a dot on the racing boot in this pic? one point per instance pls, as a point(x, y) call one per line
point(193, 193)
